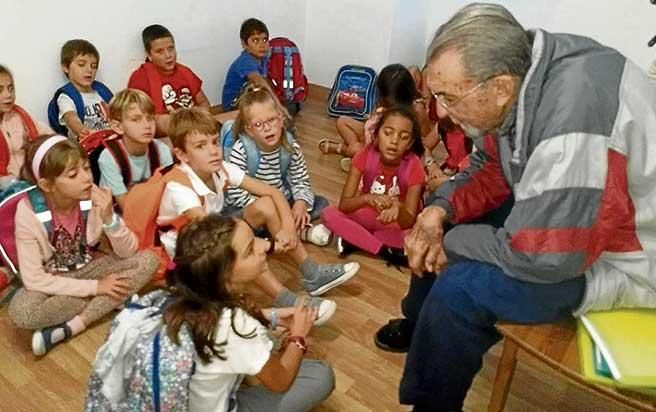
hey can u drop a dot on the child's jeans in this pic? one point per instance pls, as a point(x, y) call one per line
point(362, 229)
point(314, 382)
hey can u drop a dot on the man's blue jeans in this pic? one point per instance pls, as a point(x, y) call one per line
point(455, 326)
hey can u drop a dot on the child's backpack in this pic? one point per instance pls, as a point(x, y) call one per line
point(142, 206)
point(8, 207)
point(32, 134)
point(227, 141)
point(139, 368)
point(285, 71)
point(95, 143)
point(69, 90)
point(353, 93)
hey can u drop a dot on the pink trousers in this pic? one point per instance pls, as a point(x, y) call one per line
point(363, 230)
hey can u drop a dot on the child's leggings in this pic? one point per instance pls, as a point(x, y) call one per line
point(36, 310)
point(314, 382)
point(362, 229)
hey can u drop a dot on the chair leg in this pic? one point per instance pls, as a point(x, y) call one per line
point(503, 378)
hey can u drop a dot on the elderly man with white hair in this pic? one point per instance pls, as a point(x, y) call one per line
point(566, 131)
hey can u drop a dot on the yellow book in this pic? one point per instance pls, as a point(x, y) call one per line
point(626, 339)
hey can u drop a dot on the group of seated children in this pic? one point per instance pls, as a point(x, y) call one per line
point(85, 247)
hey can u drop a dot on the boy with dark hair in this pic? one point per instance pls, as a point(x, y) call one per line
point(250, 66)
point(79, 107)
point(136, 155)
point(169, 84)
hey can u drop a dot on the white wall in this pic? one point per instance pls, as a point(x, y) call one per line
point(329, 34)
point(206, 34)
point(624, 25)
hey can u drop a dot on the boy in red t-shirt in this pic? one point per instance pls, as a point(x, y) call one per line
point(169, 84)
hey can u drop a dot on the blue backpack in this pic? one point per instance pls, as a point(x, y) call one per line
point(354, 92)
point(227, 141)
point(69, 90)
point(150, 372)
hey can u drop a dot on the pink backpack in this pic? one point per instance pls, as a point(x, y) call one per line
point(8, 243)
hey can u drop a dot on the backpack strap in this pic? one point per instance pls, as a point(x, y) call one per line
point(153, 157)
point(53, 108)
point(252, 154)
point(44, 215)
point(103, 91)
point(29, 124)
point(121, 158)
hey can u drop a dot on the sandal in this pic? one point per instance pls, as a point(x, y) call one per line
point(327, 146)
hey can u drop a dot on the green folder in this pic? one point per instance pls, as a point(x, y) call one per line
point(618, 348)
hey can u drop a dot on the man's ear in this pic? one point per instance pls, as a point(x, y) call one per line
point(116, 126)
point(181, 155)
point(504, 88)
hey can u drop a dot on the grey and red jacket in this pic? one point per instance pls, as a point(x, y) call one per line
point(578, 153)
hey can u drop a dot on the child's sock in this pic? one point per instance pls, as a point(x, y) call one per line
point(287, 298)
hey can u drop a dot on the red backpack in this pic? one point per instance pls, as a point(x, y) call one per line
point(285, 71)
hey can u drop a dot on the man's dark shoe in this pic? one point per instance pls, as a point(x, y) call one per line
point(395, 336)
point(394, 257)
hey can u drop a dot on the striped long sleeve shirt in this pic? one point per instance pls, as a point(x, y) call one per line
point(269, 172)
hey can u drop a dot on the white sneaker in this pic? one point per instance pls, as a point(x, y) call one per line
point(319, 235)
point(327, 309)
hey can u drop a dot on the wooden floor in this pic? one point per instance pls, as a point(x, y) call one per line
point(367, 378)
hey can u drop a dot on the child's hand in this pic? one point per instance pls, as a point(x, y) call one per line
point(391, 214)
point(83, 133)
point(285, 240)
point(303, 319)
point(101, 198)
point(379, 202)
point(115, 286)
point(300, 214)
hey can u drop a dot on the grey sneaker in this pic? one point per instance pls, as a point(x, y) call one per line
point(327, 276)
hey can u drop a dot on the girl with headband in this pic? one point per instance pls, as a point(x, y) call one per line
point(68, 282)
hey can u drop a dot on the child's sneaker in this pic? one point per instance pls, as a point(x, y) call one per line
point(326, 276)
point(318, 235)
point(326, 311)
point(45, 339)
point(344, 248)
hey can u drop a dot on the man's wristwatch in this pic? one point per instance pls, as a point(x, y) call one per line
point(298, 341)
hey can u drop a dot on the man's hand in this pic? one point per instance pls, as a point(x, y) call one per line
point(423, 245)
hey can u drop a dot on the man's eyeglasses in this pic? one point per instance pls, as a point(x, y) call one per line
point(449, 105)
point(259, 126)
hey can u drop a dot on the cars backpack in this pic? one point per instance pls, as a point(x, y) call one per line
point(285, 70)
point(150, 372)
point(353, 93)
point(69, 90)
